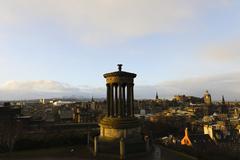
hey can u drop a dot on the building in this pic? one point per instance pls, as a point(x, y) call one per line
point(9, 113)
point(196, 140)
point(180, 98)
point(187, 99)
point(207, 98)
point(66, 114)
point(9, 126)
point(120, 131)
point(217, 132)
point(238, 129)
point(84, 115)
point(61, 103)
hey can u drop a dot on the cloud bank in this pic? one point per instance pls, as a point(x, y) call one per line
point(225, 84)
point(17, 90)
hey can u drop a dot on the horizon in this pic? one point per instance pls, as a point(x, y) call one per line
point(62, 48)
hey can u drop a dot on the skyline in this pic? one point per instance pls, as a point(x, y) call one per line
point(64, 47)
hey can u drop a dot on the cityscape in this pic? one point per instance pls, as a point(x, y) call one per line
point(137, 80)
point(121, 127)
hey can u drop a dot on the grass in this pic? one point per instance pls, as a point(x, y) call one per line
point(81, 153)
point(62, 153)
point(172, 154)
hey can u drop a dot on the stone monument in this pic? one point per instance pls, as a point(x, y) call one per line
point(120, 132)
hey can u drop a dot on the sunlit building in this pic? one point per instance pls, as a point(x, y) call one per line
point(207, 98)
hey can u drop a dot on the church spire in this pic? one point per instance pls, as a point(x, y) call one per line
point(156, 96)
point(223, 100)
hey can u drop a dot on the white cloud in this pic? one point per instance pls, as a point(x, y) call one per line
point(38, 85)
point(225, 84)
point(101, 21)
point(44, 89)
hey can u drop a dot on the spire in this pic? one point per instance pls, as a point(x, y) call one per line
point(223, 100)
point(156, 95)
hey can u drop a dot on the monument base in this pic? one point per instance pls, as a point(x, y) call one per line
point(121, 148)
point(120, 138)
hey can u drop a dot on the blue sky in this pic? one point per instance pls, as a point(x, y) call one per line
point(69, 44)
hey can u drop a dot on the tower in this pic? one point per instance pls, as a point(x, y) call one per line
point(224, 108)
point(120, 132)
point(223, 100)
point(207, 98)
point(156, 96)
point(92, 100)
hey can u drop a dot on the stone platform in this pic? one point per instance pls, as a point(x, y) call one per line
point(120, 138)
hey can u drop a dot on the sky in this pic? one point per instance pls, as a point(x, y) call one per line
point(55, 48)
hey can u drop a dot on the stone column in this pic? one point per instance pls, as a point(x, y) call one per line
point(111, 100)
point(122, 149)
point(132, 100)
point(108, 100)
point(124, 101)
point(128, 101)
point(120, 100)
point(125, 133)
point(88, 139)
point(95, 150)
point(116, 100)
point(147, 143)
